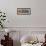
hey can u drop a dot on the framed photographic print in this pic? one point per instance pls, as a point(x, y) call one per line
point(23, 11)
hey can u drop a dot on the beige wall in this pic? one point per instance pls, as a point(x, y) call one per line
point(35, 22)
point(36, 19)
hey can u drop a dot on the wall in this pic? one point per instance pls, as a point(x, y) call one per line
point(34, 22)
point(36, 19)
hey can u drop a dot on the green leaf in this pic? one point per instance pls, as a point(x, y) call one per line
point(3, 19)
point(2, 26)
point(4, 13)
point(0, 21)
point(0, 12)
point(4, 16)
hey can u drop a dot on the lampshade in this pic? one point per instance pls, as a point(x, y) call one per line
point(7, 30)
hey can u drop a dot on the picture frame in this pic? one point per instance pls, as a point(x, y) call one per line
point(23, 11)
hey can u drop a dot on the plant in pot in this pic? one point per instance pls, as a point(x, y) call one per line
point(2, 19)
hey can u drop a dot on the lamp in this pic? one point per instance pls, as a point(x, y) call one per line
point(7, 31)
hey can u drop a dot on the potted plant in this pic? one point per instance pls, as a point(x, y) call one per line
point(2, 19)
